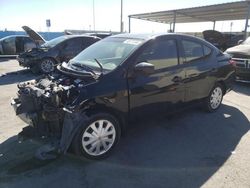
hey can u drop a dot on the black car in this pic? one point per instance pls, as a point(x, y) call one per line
point(222, 40)
point(241, 55)
point(15, 44)
point(45, 57)
point(89, 104)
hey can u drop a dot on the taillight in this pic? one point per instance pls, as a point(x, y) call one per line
point(232, 62)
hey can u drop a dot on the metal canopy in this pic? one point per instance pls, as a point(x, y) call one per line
point(212, 13)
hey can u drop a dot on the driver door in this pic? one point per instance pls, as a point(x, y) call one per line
point(163, 89)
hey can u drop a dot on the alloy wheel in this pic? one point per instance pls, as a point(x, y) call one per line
point(47, 66)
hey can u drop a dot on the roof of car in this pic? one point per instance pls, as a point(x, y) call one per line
point(146, 36)
point(13, 36)
point(74, 36)
point(149, 36)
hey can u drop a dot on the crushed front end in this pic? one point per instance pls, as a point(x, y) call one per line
point(44, 105)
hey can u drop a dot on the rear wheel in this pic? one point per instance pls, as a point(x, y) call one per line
point(47, 65)
point(213, 101)
point(97, 136)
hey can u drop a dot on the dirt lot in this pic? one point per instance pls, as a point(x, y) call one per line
point(190, 149)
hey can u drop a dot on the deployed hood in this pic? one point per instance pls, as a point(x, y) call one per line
point(239, 49)
point(38, 39)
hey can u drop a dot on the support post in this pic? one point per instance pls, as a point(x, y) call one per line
point(94, 15)
point(129, 24)
point(214, 25)
point(246, 25)
point(121, 16)
point(174, 21)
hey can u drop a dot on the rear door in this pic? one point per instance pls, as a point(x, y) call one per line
point(161, 90)
point(28, 44)
point(19, 45)
point(200, 66)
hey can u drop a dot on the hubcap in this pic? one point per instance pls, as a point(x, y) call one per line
point(216, 97)
point(47, 65)
point(99, 137)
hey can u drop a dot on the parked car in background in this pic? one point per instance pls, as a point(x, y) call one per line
point(241, 55)
point(101, 35)
point(222, 41)
point(15, 44)
point(120, 78)
point(45, 57)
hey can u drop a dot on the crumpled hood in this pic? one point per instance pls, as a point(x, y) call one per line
point(239, 49)
point(33, 52)
point(38, 39)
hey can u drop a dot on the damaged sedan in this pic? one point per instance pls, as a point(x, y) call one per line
point(241, 55)
point(88, 104)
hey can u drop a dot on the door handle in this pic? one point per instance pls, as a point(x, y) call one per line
point(177, 79)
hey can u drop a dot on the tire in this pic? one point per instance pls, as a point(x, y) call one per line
point(47, 65)
point(84, 146)
point(213, 101)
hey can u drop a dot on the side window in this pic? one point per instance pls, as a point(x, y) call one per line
point(86, 42)
point(161, 54)
point(192, 50)
point(19, 45)
point(28, 44)
point(73, 44)
point(9, 46)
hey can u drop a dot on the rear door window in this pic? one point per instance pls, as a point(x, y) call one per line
point(194, 50)
point(73, 45)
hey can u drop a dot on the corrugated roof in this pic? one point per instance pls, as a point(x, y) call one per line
point(219, 12)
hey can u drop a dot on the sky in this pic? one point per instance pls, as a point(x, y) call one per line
point(78, 14)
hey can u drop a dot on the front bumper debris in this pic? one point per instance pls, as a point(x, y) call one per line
point(26, 117)
point(242, 68)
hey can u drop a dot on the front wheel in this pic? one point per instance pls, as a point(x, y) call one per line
point(213, 101)
point(47, 65)
point(97, 136)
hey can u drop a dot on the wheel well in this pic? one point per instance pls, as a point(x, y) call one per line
point(222, 83)
point(53, 59)
point(118, 115)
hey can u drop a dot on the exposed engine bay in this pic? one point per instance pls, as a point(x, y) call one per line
point(44, 104)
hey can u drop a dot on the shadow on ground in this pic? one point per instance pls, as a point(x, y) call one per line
point(2, 58)
point(16, 77)
point(182, 151)
point(243, 88)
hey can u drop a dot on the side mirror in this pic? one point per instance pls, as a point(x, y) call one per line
point(145, 68)
point(240, 42)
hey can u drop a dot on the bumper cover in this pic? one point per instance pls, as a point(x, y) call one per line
point(242, 67)
point(28, 118)
point(26, 62)
point(59, 143)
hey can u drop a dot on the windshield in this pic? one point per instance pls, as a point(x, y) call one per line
point(247, 41)
point(54, 42)
point(110, 53)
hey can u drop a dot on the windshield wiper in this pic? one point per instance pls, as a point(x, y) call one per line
point(100, 65)
point(85, 67)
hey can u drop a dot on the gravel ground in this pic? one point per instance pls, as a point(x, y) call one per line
point(189, 149)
